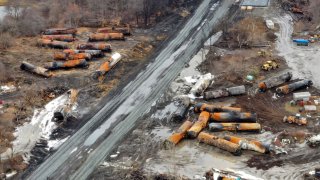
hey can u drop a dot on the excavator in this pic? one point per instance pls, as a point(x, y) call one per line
point(268, 65)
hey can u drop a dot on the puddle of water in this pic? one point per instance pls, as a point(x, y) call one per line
point(304, 61)
point(188, 160)
point(161, 133)
point(143, 90)
point(165, 113)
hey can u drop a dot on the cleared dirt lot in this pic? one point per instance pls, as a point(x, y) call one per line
point(143, 152)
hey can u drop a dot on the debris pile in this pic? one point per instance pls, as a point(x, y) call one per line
point(61, 38)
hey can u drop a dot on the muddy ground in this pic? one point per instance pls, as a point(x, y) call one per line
point(143, 156)
point(34, 92)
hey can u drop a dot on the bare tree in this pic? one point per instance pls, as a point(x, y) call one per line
point(13, 9)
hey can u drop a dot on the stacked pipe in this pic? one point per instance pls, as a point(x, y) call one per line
point(59, 31)
point(82, 63)
point(275, 81)
point(176, 137)
point(69, 56)
point(232, 91)
point(286, 89)
point(93, 53)
point(253, 145)
point(124, 30)
point(53, 44)
point(62, 37)
point(95, 46)
point(209, 139)
point(106, 37)
point(35, 69)
point(107, 66)
point(199, 125)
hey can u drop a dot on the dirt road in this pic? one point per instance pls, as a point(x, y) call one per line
point(78, 156)
point(304, 61)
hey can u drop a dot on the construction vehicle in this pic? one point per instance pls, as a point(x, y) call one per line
point(301, 42)
point(297, 119)
point(269, 65)
point(264, 53)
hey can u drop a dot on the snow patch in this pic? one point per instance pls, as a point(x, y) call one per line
point(40, 127)
point(54, 144)
point(7, 89)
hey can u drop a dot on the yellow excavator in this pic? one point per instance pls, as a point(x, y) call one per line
point(268, 65)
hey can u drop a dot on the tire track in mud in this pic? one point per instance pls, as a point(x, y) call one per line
point(303, 159)
point(78, 156)
point(295, 164)
point(302, 60)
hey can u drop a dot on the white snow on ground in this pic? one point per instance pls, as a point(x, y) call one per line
point(7, 88)
point(54, 144)
point(129, 104)
point(11, 174)
point(213, 39)
point(246, 175)
point(304, 61)
point(40, 127)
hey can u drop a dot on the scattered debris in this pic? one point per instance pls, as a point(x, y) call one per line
point(314, 141)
